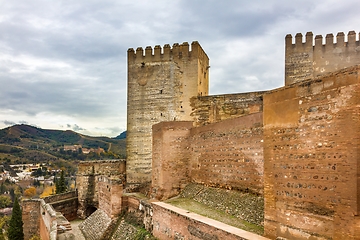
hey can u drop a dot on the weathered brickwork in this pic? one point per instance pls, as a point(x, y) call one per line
point(31, 218)
point(110, 195)
point(216, 108)
point(96, 225)
point(229, 153)
point(308, 60)
point(160, 85)
point(87, 180)
point(41, 220)
point(171, 158)
point(174, 223)
point(65, 203)
point(312, 158)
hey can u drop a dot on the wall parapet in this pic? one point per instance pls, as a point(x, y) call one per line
point(60, 197)
point(310, 41)
point(41, 219)
point(174, 223)
point(216, 108)
point(177, 51)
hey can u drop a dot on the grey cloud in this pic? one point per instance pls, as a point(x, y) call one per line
point(9, 123)
point(75, 127)
point(85, 44)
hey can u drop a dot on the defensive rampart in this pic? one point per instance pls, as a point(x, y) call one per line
point(226, 154)
point(216, 108)
point(40, 219)
point(311, 149)
point(108, 176)
point(65, 203)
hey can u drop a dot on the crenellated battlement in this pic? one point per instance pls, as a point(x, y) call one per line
point(166, 52)
point(319, 55)
point(297, 43)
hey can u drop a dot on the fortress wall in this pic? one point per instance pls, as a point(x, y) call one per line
point(160, 85)
point(60, 197)
point(110, 195)
point(216, 108)
point(65, 203)
point(68, 208)
point(229, 153)
point(31, 217)
point(312, 168)
point(170, 164)
point(314, 57)
point(88, 184)
point(170, 222)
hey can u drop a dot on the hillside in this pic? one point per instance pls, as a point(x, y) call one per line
point(26, 143)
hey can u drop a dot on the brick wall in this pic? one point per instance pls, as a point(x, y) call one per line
point(229, 153)
point(174, 223)
point(31, 218)
point(312, 158)
point(216, 108)
point(110, 195)
point(87, 182)
point(65, 203)
point(171, 157)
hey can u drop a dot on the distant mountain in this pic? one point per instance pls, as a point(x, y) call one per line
point(28, 143)
point(121, 136)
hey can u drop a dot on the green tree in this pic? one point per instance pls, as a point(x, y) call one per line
point(5, 201)
point(61, 184)
point(15, 231)
point(2, 188)
point(3, 222)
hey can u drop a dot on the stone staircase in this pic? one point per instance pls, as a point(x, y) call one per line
point(63, 225)
point(96, 225)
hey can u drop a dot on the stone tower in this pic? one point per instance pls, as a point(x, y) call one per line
point(306, 60)
point(160, 85)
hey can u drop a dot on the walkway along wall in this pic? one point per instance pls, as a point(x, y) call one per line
point(312, 162)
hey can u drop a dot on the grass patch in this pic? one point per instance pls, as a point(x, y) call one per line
point(221, 216)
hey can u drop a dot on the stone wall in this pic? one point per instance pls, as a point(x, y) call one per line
point(308, 60)
point(96, 225)
point(312, 168)
point(40, 219)
point(171, 158)
point(229, 154)
point(160, 85)
point(226, 154)
point(138, 210)
point(174, 223)
point(87, 182)
point(216, 108)
point(31, 218)
point(65, 203)
point(110, 195)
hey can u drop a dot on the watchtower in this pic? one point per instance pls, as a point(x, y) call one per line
point(306, 60)
point(161, 82)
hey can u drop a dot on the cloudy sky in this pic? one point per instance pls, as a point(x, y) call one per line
point(63, 63)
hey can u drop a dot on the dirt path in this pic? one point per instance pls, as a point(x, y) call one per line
point(77, 232)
